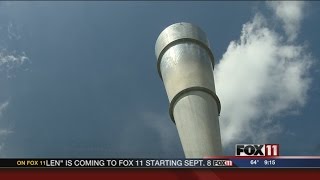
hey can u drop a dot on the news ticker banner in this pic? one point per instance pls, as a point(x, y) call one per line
point(221, 162)
point(246, 156)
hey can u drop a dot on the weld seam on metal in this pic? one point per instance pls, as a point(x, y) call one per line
point(181, 41)
point(178, 96)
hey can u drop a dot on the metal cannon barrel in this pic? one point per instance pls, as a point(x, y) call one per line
point(185, 65)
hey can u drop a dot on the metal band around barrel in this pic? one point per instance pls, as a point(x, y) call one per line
point(196, 88)
point(181, 41)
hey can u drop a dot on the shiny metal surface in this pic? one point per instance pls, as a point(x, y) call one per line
point(185, 64)
point(178, 31)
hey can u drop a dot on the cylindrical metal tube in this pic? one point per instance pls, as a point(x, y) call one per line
point(185, 64)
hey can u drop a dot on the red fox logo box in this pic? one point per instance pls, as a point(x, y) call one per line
point(257, 149)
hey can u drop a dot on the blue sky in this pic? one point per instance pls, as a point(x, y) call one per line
point(79, 79)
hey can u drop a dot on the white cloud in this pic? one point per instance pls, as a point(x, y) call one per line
point(3, 132)
point(260, 77)
point(3, 106)
point(290, 13)
point(11, 60)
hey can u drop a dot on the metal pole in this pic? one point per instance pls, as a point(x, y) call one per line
point(185, 65)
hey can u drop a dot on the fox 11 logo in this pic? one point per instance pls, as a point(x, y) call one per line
point(257, 149)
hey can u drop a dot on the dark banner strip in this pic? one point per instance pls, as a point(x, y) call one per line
point(154, 174)
point(230, 162)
